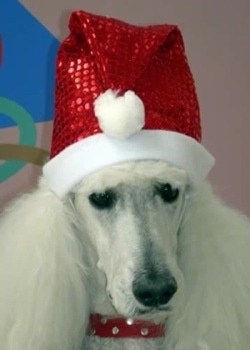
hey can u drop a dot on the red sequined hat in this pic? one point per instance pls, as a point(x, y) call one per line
point(123, 93)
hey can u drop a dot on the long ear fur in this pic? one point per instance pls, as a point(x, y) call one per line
point(214, 256)
point(43, 299)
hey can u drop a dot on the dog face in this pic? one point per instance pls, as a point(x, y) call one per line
point(131, 213)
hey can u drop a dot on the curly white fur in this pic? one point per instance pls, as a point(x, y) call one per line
point(54, 265)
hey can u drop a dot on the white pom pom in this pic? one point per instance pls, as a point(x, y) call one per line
point(119, 116)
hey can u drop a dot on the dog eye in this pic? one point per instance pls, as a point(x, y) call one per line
point(105, 200)
point(168, 193)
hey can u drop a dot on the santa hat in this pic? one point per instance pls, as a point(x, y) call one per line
point(123, 93)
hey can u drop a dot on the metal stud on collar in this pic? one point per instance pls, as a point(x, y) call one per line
point(104, 320)
point(144, 331)
point(115, 330)
point(130, 321)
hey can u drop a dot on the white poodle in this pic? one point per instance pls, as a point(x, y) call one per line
point(134, 239)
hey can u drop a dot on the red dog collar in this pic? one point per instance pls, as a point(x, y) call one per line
point(118, 327)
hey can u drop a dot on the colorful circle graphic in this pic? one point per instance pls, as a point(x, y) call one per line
point(16, 156)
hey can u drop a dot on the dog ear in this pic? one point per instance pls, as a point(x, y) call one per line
point(213, 255)
point(42, 277)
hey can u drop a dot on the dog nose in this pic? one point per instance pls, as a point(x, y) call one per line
point(154, 290)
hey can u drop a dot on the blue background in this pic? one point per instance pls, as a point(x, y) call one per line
point(27, 70)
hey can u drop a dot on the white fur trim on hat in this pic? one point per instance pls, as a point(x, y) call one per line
point(93, 153)
point(119, 116)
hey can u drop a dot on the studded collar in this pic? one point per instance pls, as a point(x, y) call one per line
point(118, 327)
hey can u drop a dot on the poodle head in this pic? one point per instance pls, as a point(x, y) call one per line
point(131, 214)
